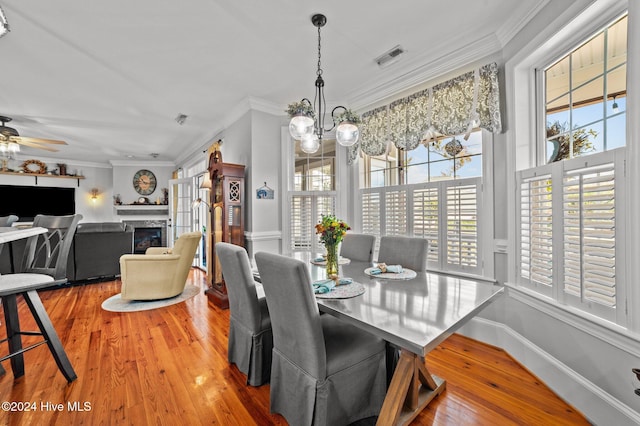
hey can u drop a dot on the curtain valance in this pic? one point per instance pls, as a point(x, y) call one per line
point(450, 108)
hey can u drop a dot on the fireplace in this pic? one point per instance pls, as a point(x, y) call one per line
point(148, 233)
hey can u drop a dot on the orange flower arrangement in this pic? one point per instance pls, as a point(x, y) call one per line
point(331, 230)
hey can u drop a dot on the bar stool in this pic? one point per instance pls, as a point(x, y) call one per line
point(44, 264)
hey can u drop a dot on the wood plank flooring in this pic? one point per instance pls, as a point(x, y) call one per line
point(169, 366)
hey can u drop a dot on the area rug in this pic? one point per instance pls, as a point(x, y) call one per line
point(116, 304)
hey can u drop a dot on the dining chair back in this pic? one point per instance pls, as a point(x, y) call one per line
point(6, 221)
point(410, 252)
point(358, 247)
point(47, 253)
point(324, 370)
point(250, 336)
point(44, 264)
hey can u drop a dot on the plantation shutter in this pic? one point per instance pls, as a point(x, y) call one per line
point(306, 212)
point(575, 260)
point(462, 226)
point(396, 212)
point(371, 217)
point(590, 234)
point(536, 231)
point(426, 219)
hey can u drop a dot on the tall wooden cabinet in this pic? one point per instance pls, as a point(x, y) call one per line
point(226, 219)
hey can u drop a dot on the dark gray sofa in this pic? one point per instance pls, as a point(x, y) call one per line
point(95, 252)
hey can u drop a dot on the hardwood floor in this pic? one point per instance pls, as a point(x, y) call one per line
point(169, 366)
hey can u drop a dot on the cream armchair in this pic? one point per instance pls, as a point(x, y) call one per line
point(161, 272)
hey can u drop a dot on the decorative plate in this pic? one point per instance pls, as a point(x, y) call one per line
point(406, 274)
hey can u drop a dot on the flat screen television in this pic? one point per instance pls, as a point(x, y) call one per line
point(28, 201)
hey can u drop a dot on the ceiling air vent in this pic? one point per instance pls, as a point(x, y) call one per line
point(390, 56)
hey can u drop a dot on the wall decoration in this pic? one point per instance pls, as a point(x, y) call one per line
point(264, 193)
point(144, 182)
point(34, 166)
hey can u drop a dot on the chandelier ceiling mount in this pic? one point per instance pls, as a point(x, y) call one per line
point(307, 118)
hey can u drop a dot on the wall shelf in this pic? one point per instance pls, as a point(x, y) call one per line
point(141, 209)
point(46, 175)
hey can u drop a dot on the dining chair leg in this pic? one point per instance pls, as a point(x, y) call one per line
point(50, 335)
point(12, 324)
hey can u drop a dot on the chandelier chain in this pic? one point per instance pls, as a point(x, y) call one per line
point(319, 71)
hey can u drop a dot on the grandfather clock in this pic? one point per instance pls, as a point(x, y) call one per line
point(226, 219)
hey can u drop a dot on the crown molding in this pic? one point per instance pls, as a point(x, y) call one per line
point(387, 87)
point(48, 160)
point(142, 163)
point(511, 27)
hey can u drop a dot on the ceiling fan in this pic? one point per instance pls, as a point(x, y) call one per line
point(10, 140)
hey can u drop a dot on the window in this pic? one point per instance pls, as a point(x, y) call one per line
point(585, 96)
point(312, 196)
point(433, 191)
point(571, 210)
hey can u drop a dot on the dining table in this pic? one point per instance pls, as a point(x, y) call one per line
point(414, 311)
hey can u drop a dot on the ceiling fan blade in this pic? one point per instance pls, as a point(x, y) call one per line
point(21, 139)
point(37, 145)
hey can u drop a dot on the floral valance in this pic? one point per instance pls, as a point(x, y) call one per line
point(450, 108)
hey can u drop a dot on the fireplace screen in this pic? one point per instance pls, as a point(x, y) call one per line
point(144, 238)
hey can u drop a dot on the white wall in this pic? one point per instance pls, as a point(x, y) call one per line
point(586, 362)
point(124, 171)
point(108, 180)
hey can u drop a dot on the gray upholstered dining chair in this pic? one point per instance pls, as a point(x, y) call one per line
point(250, 336)
point(44, 264)
point(6, 221)
point(324, 371)
point(358, 247)
point(410, 252)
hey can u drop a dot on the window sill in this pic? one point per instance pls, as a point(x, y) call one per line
point(606, 331)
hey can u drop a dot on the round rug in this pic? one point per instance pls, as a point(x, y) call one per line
point(116, 304)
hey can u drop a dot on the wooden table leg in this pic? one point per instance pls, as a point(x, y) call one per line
point(412, 388)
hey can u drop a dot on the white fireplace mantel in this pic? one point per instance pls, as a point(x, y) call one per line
point(142, 210)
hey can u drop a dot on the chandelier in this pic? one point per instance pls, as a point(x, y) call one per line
point(307, 119)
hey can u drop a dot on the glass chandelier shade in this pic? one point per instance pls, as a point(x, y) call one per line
point(300, 126)
point(347, 133)
point(307, 118)
point(310, 143)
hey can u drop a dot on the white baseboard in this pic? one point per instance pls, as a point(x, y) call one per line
point(598, 406)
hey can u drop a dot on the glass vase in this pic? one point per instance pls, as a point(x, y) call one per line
point(332, 260)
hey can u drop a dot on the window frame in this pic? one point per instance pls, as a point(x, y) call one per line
point(549, 61)
point(485, 209)
point(571, 28)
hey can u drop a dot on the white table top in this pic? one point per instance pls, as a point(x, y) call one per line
point(8, 234)
point(415, 314)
